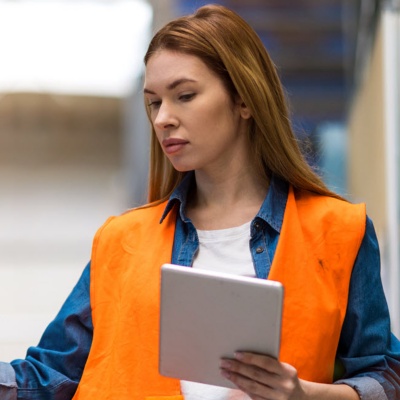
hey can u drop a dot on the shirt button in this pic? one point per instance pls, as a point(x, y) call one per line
point(257, 225)
point(259, 250)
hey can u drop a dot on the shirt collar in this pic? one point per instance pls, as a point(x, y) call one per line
point(179, 197)
point(273, 207)
point(271, 211)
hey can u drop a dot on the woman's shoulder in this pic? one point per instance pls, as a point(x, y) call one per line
point(147, 214)
point(328, 210)
point(328, 203)
point(326, 217)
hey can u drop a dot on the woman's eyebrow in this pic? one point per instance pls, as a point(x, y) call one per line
point(148, 91)
point(172, 85)
point(178, 82)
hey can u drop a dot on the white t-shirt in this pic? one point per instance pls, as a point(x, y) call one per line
point(225, 250)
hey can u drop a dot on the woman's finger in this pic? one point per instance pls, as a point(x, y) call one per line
point(262, 361)
point(263, 376)
point(253, 388)
point(251, 372)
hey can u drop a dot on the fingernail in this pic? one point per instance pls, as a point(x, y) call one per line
point(238, 355)
point(225, 374)
point(225, 364)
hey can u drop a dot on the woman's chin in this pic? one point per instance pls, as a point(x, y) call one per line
point(183, 168)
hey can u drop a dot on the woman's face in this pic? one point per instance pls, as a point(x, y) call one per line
point(198, 125)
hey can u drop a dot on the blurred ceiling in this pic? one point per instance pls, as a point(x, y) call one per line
point(312, 43)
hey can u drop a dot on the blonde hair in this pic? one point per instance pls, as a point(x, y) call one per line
point(235, 53)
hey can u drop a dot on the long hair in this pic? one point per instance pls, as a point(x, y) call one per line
point(234, 52)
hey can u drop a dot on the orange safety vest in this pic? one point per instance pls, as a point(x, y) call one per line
point(318, 245)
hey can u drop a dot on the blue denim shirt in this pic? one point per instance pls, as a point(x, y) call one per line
point(368, 355)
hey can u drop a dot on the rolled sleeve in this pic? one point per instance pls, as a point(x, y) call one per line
point(8, 384)
point(366, 387)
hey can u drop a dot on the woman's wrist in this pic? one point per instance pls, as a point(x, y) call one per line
point(322, 391)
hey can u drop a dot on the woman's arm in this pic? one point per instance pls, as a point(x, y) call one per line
point(368, 355)
point(53, 368)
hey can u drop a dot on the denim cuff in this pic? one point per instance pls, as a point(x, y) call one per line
point(8, 384)
point(366, 387)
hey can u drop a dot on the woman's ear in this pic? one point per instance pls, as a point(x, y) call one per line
point(245, 112)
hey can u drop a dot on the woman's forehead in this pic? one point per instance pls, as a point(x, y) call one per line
point(166, 67)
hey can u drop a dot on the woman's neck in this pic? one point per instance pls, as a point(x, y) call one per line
point(225, 200)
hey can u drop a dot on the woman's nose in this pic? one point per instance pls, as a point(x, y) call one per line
point(165, 117)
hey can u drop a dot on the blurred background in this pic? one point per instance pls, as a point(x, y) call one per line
point(74, 136)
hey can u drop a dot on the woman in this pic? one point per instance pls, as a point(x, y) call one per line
point(229, 190)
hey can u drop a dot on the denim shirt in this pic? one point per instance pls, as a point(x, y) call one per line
point(368, 355)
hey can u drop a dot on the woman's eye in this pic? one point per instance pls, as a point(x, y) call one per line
point(187, 96)
point(154, 104)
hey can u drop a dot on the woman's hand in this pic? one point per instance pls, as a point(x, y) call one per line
point(263, 377)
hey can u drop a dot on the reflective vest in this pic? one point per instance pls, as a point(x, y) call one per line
point(318, 244)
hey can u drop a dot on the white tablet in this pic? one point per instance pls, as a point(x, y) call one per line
point(206, 315)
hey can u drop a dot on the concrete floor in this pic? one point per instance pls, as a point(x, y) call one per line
point(47, 221)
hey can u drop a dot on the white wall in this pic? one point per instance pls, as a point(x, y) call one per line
point(373, 150)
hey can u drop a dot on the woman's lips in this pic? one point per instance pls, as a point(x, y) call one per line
point(173, 145)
